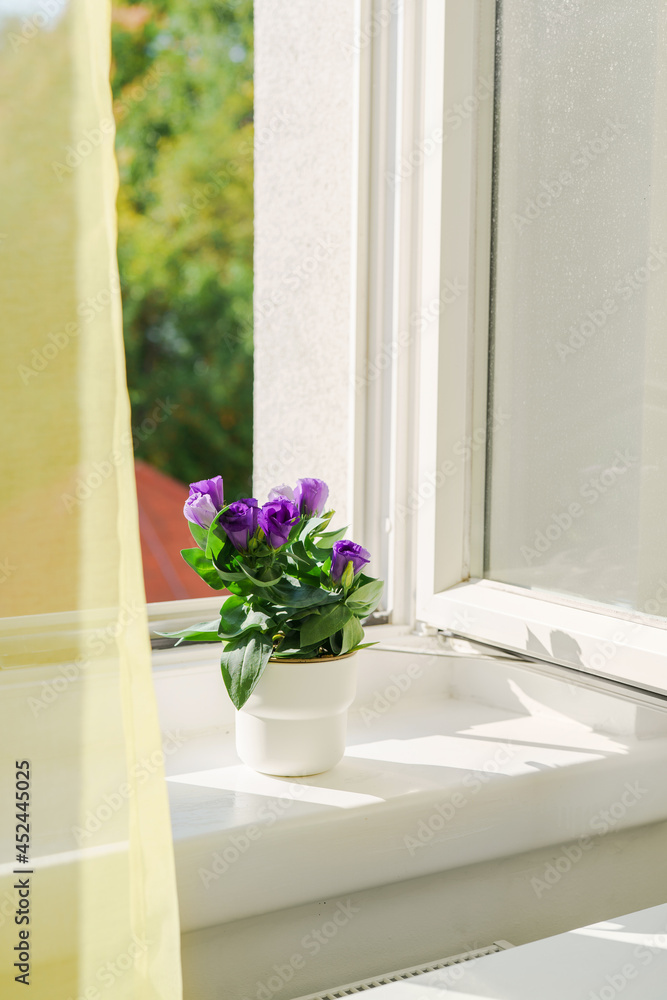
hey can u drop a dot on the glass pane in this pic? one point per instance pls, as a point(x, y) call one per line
point(577, 483)
point(183, 103)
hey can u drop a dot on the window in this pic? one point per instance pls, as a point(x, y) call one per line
point(183, 105)
point(540, 480)
point(578, 467)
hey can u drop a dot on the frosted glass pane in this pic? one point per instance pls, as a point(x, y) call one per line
point(577, 477)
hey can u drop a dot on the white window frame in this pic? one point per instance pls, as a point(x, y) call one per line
point(455, 243)
point(420, 417)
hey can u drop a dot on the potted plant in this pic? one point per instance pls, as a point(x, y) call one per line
point(292, 621)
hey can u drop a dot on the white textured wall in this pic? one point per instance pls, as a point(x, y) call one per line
point(305, 235)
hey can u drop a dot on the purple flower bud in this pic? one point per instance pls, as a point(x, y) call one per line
point(276, 519)
point(282, 492)
point(310, 496)
point(240, 522)
point(206, 498)
point(346, 551)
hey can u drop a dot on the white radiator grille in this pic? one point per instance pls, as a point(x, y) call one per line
point(340, 992)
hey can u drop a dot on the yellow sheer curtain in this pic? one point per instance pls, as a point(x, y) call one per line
point(76, 699)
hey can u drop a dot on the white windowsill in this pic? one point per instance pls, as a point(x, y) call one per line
point(482, 759)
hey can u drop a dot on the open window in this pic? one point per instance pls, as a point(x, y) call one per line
point(542, 386)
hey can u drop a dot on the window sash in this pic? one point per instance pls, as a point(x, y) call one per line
point(455, 251)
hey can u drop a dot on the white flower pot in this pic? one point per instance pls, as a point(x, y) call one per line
point(294, 723)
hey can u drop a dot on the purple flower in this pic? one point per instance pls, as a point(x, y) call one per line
point(276, 519)
point(239, 521)
point(344, 552)
point(206, 498)
point(310, 496)
point(282, 492)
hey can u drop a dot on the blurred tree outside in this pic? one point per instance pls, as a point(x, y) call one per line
point(182, 89)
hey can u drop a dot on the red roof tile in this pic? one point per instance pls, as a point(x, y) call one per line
point(164, 532)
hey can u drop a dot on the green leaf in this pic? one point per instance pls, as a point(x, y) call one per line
point(232, 616)
point(306, 577)
point(229, 575)
point(296, 615)
point(202, 566)
point(242, 664)
point(257, 620)
point(297, 653)
point(323, 624)
point(365, 598)
point(288, 643)
point(326, 540)
point(353, 633)
point(293, 650)
point(199, 534)
point(294, 595)
point(242, 587)
point(311, 524)
point(225, 558)
point(324, 521)
point(299, 553)
point(217, 537)
point(267, 577)
point(336, 642)
point(205, 632)
point(325, 573)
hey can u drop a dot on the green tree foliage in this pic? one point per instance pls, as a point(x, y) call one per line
point(182, 86)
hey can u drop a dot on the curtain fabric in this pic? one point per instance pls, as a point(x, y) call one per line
point(95, 873)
